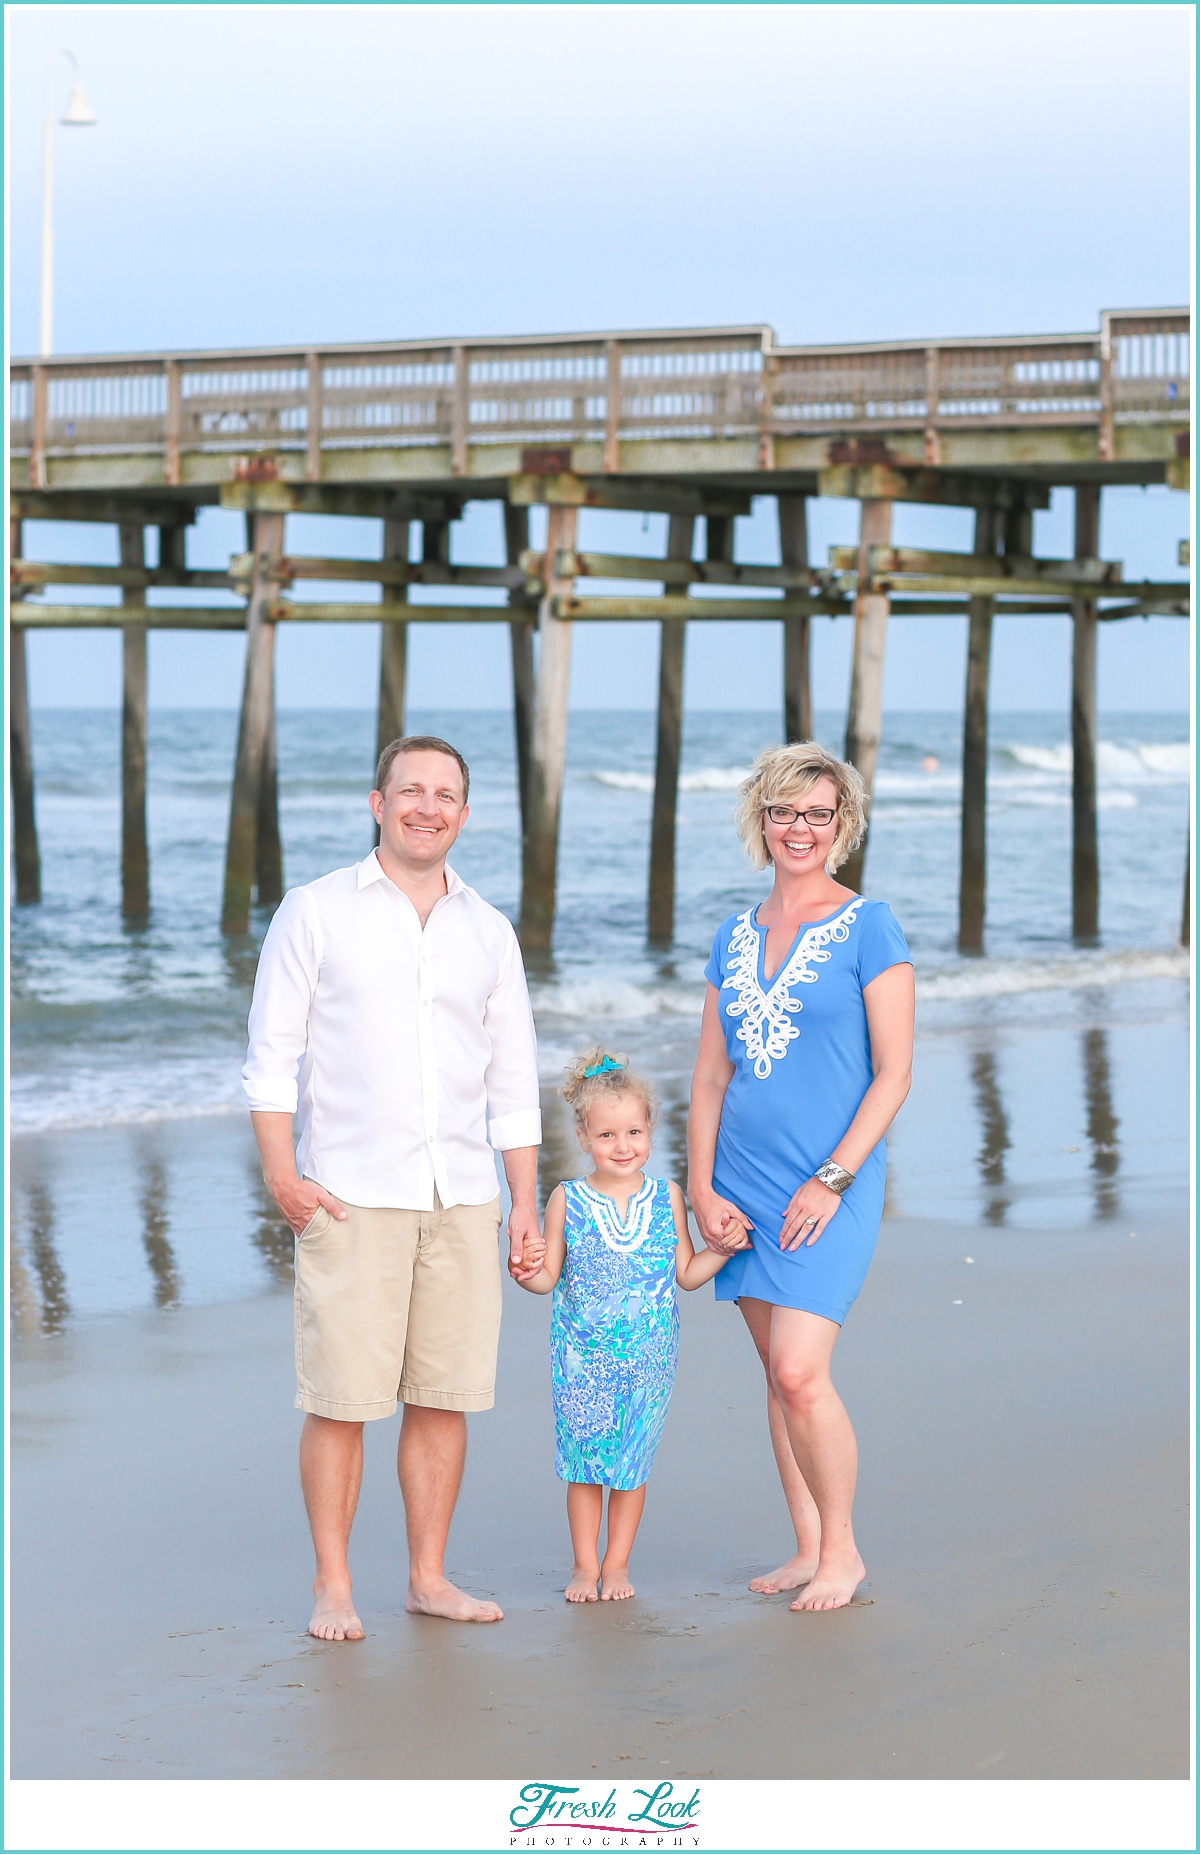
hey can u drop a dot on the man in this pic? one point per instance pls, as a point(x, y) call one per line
point(390, 1009)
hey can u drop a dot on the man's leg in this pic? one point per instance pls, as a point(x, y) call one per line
point(331, 1456)
point(433, 1449)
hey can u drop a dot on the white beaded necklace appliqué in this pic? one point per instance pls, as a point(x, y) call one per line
point(768, 1028)
point(622, 1238)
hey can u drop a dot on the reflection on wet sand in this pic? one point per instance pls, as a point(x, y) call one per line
point(271, 1236)
point(56, 1307)
point(996, 1141)
point(23, 1304)
point(1102, 1122)
point(671, 1139)
point(155, 1240)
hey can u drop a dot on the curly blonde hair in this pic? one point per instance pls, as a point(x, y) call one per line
point(783, 775)
point(581, 1091)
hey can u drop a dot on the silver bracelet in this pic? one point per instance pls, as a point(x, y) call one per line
point(834, 1176)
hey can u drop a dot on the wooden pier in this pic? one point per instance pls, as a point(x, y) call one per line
point(690, 423)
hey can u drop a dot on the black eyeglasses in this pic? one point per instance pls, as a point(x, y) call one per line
point(817, 818)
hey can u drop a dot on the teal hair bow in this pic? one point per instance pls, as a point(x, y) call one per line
point(603, 1068)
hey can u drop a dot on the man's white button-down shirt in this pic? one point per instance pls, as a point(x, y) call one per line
point(401, 1049)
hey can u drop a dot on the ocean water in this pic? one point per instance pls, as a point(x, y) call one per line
point(1026, 1057)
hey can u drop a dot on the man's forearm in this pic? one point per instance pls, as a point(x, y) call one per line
point(520, 1169)
point(274, 1135)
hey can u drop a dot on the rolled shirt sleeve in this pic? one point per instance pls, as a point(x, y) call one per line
point(288, 968)
point(513, 1095)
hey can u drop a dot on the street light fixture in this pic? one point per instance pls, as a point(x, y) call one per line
point(78, 116)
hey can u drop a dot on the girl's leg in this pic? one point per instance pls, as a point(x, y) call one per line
point(823, 1444)
point(624, 1517)
point(806, 1521)
point(585, 1505)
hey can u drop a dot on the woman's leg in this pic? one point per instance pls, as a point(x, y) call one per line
point(624, 1516)
point(585, 1505)
point(806, 1521)
point(823, 1444)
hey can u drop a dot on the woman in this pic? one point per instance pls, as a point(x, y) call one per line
point(805, 1057)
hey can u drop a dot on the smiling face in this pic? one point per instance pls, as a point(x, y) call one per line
point(617, 1135)
point(422, 810)
point(799, 847)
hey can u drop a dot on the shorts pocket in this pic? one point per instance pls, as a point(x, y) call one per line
point(319, 1220)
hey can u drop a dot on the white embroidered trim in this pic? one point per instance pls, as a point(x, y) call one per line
point(622, 1238)
point(768, 1028)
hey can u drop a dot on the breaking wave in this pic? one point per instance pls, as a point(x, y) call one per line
point(710, 779)
point(607, 996)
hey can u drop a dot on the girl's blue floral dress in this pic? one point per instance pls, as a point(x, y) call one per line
point(614, 1335)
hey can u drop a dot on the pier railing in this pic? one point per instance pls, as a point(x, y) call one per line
point(605, 389)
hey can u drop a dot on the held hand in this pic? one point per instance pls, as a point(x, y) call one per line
point(529, 1262)
point(299, 1199)
point(812, 1208)
point(526, 1244)
point(723, 1226)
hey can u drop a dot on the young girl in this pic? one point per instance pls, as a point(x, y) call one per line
point(617, 1243)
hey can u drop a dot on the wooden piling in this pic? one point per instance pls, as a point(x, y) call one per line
point(26, 858)
point(255, 725)
point(1185, 926)
point(972, 881)
point(1085, 845)
point(135, 849)
point(549, 745)
point(669, 746)
point(516, 541)
point(393, 648)
point(865, 714)
point(268, 843)
point(797, 681)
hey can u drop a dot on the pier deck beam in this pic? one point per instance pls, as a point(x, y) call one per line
point(972, 884)
point(255, 725)
point(547, 758)
point(660, 922)
point(1085, 847)
point(26, 858)
point(797, 681)
point(516, 542)
point(865, 714)
point(135, 850)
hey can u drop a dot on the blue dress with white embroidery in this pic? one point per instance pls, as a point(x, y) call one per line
point(614, 1334)
point(802, 1064)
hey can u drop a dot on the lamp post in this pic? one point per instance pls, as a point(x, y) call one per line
point(78, 116)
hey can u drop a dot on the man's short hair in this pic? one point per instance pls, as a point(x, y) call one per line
point(419, 743)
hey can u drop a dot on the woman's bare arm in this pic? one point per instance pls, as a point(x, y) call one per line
point(890, 1007)
point(722, 1225)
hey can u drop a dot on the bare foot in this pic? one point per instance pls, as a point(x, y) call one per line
point(615, 1584)
point(584, 1586)
point(333, 1617)
point(833, 1585)
point(440, 1597)
point(789, 1576)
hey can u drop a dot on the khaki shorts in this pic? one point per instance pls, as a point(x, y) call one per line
point(397, 1305)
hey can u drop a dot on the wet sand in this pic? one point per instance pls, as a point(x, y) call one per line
point(1022, 1512)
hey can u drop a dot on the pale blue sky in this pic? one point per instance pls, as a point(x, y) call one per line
point(290, 173)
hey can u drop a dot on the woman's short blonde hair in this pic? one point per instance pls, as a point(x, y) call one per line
point(783, 776)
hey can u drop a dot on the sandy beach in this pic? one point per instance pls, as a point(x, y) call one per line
point(1022, 1421)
